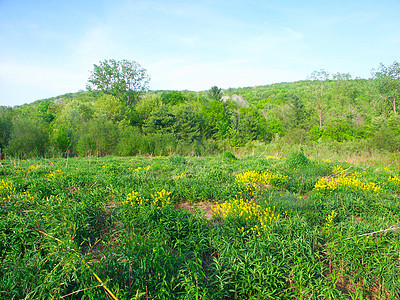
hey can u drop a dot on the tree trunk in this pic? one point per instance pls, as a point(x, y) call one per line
point(320, 118)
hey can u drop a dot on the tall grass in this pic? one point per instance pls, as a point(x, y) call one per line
point(101, 228)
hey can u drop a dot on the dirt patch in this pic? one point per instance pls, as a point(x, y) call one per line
point(205, 207)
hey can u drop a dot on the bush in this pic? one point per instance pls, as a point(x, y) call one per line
point(297, 159)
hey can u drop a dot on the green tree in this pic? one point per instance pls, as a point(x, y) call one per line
point(188, 124)
point(44, 111)
point(318, 88)
point(298, 110)
point(248, 124)
point(5, 126)
point(61, 139)
point(110, 107)
point(388, 80)
point(73, 117)
point(124, 78)
point(161, 121)
point(173, 97)
point(99, 136)
point(216, 119)
point(131, 141)
point(215, 93)
point(29, 138)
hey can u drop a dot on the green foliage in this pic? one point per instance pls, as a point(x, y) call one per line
point(247, 127)
point(173, 97)
point(297, 159)
point(228, 155)
point(188, 125)
point(215, 93)
point(316, 132)
point(388, 81)
point(338, 130)
point(331, 109)
point(61, 139)
point(5, 126)
point(120, 78)
point(44, 110)
point(299, 111)
point(160, 121)
point(139, 224)
point(110, 107)
point(177, 160)
point(29, 138)
point(99, 137)
point(131, 142)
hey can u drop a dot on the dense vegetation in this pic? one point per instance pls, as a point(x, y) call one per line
point(198, 200)
point(128, 228)
point(124, 119)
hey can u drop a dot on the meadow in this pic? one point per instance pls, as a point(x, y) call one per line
point(145, 227)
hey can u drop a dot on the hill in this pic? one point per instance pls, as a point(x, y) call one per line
point(330, 110)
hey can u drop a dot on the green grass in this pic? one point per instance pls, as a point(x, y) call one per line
point(67, 229)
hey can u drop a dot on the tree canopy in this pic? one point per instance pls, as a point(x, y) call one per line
point(388, 80)
point(331, 108)
point(122, 78)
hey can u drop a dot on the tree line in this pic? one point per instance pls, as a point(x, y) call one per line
point(118, 115)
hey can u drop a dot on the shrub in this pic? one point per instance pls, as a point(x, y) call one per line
point(297, 159)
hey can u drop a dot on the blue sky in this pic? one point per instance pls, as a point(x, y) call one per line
point(48, 48)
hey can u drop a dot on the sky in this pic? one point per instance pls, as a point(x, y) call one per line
point(48, 47)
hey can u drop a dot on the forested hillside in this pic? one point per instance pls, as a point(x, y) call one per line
point(322, 109)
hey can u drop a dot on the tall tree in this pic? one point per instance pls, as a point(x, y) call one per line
point(124, 78)
point(5, 126)
point(29, 137)
point(388, 80)
point(318, 90)
point(160, 121)
point(298, 110)
point(188, 124)
point(173, 97)
point(215, 93)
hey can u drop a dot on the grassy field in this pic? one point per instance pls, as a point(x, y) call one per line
point(260, 227)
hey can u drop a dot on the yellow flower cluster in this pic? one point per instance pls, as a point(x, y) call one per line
point(6, 188)
point(394, 179)
point(133, 199)
point(246, 210)
point(257, 179)
point(344, 180)
point(11, 197)
point(159, 199)
point(337, 169)
point(53, 175)
point(26, 196)
point(329, 220)
point(33, 167)
point(181, 176)
point(138, 169)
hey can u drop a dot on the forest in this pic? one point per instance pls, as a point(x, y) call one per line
point(122, 117)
